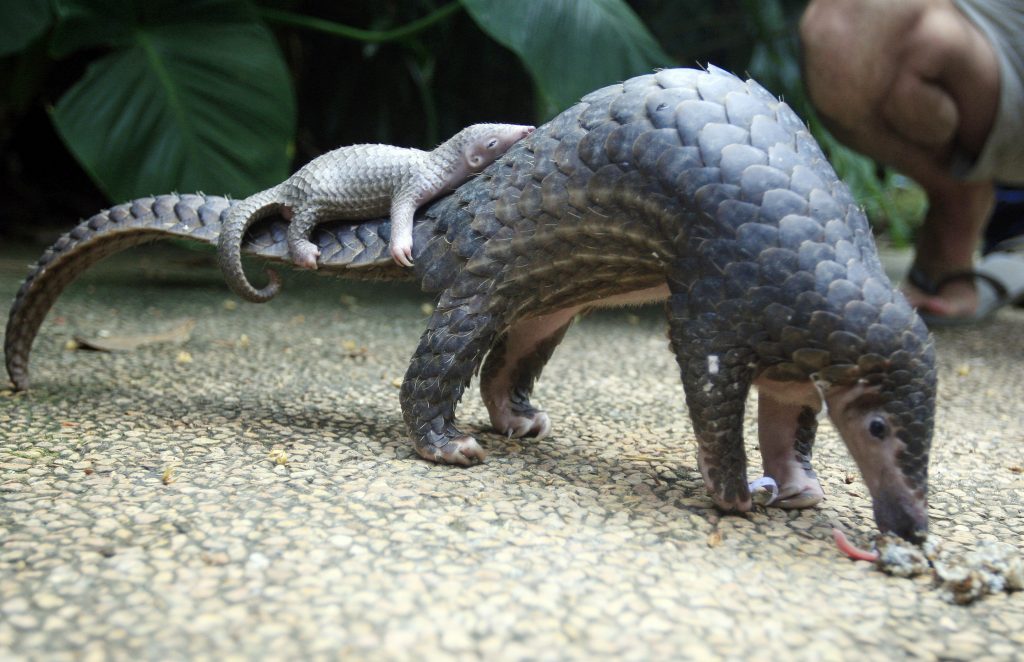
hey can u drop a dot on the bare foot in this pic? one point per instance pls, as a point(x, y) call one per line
point(956, 298)
point(945, 247)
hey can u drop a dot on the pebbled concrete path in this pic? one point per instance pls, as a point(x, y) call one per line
point(249, 494)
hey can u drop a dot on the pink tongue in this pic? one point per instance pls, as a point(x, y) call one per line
point(848, 548)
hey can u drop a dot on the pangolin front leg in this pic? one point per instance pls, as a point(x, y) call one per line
point(403, 208)
point(450, 351)
point(716, 380)
point(512, 367)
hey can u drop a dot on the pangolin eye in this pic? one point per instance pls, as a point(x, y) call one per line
point(492, 143)
point(878, 428)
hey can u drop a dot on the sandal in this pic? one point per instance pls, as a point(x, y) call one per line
point(1005, 263)
point(998, 279)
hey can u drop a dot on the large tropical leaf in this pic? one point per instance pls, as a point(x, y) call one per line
point(571, 47)
point(22, 21)
point(194, 95)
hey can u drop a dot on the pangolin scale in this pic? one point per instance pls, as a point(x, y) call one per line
point(687, 185)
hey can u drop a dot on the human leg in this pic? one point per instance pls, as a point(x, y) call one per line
point(913, 84)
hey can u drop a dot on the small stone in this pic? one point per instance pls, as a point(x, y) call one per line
point(16, 605)
point(531, 513)
point(106, 524)
point(215, 558)
point(146, 518)
point(455, 639)
point(207, 621)
point(47, 600)
point(654, 623)
point(23, 621)
point(340, 540)
point(257, 561)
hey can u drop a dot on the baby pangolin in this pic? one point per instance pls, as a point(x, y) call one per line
point(360, 182)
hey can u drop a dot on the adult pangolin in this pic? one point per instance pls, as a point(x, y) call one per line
point(689, 185)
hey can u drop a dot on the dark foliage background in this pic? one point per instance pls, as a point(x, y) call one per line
point(103, 100)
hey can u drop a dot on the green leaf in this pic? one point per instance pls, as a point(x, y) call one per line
point(571, 47)
point(193, 99)
point(89, 23)
point(23, 21)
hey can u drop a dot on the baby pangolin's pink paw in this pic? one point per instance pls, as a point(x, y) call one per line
point(304, 255)
point(401, 251)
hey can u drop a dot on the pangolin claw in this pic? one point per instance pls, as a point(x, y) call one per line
point(538, 425)
point(464, 450)
point(305, 254)
point(402, 254)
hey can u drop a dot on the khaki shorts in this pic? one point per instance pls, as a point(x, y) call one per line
point(1002, 157)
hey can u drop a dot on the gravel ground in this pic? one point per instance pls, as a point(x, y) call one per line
point(249, 494)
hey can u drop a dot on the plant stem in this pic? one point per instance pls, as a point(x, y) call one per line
point(348, 32)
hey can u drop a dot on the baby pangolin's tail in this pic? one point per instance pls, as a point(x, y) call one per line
point(229, 245)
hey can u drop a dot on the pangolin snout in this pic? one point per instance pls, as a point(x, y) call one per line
point(907, 519)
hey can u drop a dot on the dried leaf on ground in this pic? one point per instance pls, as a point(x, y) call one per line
point(132, 341)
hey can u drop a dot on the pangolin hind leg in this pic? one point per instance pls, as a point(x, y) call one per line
point(304, 253)
point(450, 351)
point(786, 432)
point(512, 367)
